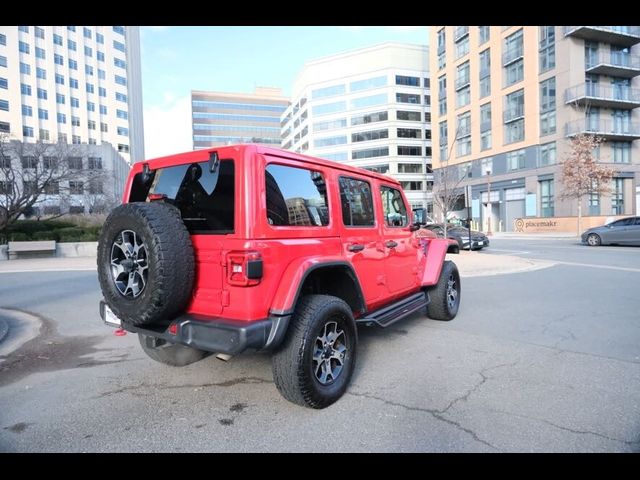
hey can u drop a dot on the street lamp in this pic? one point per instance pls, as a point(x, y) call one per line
point(489, 203)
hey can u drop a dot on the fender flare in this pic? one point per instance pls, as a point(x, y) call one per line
point(296, 273)
point(434, 252)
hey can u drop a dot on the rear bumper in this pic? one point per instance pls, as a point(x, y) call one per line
point(475, 244)
point(217, 335)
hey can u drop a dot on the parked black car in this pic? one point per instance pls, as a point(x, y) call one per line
point(461, 235)
point(625, 231)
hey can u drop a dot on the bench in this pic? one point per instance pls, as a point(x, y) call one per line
point(41, 246)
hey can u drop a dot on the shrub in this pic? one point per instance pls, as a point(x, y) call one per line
point(18, 237)
point(50, 235)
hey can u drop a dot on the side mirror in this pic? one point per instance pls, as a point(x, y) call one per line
point(419, 215)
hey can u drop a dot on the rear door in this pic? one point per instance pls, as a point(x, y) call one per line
point(361, 241)
point(207, 204)
point(400, 264)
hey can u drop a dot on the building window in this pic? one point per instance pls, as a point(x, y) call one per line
point(485, 73)
point(91, 107)
point(73, 65)
point(621, 152)
point(463, 97)
point(88, 51)
point(95, 163)
point(318, 92)
point(486, 166)
point(409, 168)
point(3, 39)
point(86, 32)
point(462, 47)
point(514, 73)
point(103, 127)
point(546, 198)
point(71, 45)
point(62, 118)
point(76, 188)
point(71, 28)
point(41, 73)
point(118, 29)
point(594, 203)
point(44, 134)
point(407, 98)
point(58, 59)
point(411, 186)
point(27, 111)
point(100, 56)
point(119, 63)
point(103, 109)
point(463, 77)
point(5, 127)
point(91, 124)
point(75, 121)
point(330, 141)
point(99, 38)
point(370, 153)
point(25, 68)
point(25, 89)
point(3, 61)
point(547, 48)
point(23, 47)
point(43, 114)
point(75, 139)
point(27, 131)
point(75, 102)
point(29, 161)
point(121, 97)
point(409, 150)
point(409, 133)
point(442, 95)
point(75, 163)
point(409, 81)
point(617, 197)
point(40, 53)
point(370, 135)
point(90, 88)
point(485, 126)
point(121, 80)
point(4, 105)
point(73, 83)
point(547, 154)
point(483, 34)
point(4, 83)
point(357, 203)
point(88, 69)
point(516, 160)
point(327, 108)
point(102, 75)
point(357, 120)
point(441, 48)
point(124, 115)
point(514, 131)
point(57, 39)
point(367, 84)
point(548, 106)
point(442, 126)
point(362, 102)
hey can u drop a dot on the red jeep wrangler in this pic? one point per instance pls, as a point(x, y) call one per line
point(245, 247)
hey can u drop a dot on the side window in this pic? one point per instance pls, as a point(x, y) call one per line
point(395, 211)
point(296, 197)
point(357, 203)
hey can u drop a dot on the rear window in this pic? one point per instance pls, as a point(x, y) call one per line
point(357, 203)
point(206, 200)
point(296, 197)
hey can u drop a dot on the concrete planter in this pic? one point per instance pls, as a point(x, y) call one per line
point(4, 255)
point(76, 249)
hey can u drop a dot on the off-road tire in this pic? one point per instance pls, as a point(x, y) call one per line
point(292, 363)
point(440, 306)
point(170, 260)
point(172, 354)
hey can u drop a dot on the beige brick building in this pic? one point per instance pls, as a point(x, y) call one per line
point(514, 95)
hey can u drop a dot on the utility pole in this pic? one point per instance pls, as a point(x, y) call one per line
point(489, 203)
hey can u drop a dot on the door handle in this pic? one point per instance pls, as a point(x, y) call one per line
point(356, 247)
point(391, 244)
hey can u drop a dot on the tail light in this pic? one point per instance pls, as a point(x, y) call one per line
point(244, 269)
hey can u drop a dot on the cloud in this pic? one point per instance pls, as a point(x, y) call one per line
point(167, 127)
point(158, 28)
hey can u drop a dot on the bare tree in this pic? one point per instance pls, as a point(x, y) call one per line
point(30, 171)
point(446, 184)
point(581, 174)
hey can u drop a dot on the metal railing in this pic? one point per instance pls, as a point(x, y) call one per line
point(513, 113)
point(512, 54)
point(460, 32)
point(618, 93)
point(615, 59)
point(463, 81)
point(633, 31)
point(485, 126)
point(464, 131)
point(602, 127)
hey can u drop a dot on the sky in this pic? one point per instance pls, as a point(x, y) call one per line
point(176, 60)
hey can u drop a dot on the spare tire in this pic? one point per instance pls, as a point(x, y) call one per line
point(145, 263)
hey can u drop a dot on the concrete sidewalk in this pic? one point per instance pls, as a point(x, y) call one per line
point(470, 264)
point(536, 236)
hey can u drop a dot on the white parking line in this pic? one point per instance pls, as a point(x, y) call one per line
point(593, 265)
point(513, 252)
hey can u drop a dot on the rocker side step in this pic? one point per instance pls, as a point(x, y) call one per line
point(396, 311)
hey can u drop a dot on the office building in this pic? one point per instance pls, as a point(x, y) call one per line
point(368, 108)
point(221, 118)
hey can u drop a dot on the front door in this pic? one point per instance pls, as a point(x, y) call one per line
point(400, 264)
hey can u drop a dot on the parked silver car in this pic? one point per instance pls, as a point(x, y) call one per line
point(625, 231)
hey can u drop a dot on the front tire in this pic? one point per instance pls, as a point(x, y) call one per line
point(594, 240)
point(172, 354)
point(445, 295)
point(314, 364)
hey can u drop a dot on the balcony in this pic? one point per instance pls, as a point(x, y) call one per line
point(511, 114)
point(460, 32)
point(511, 55)
point(625, 36)
point(608, 129)
point(607, 96)
point(462, 82)
point(613, 64)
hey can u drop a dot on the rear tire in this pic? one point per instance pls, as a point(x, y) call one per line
point(445, 295)
point(170, 353)
point(314, 364)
